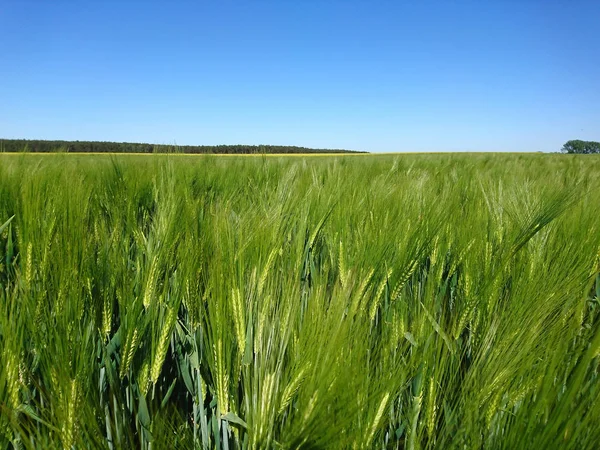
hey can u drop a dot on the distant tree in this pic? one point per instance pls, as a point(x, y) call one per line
point(581, 147)
point(20, 145)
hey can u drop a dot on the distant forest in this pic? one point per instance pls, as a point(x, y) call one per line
point(24, 145)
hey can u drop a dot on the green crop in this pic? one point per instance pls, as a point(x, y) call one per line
point(400, 301)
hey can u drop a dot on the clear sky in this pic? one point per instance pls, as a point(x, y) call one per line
point(521, 75)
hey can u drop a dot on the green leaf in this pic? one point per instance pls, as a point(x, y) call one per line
point(410, 338)
point(29, 411)
point(194, 360)
point(215, 429)
point(400, 431)
point(233, 418)
point(115, 343)
point(3, 226)
point(185, 373)
point(168, 394)
point(9, 249)
point(143, 414)
point(417, 381)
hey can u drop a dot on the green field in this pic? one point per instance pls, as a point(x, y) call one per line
point(402, 301)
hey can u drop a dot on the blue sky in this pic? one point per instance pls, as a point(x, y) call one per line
point(380, 76)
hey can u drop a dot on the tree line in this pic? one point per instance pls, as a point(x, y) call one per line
point(43, 146)
point(581, 147)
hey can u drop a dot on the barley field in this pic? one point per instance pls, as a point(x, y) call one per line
point(334, 302)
